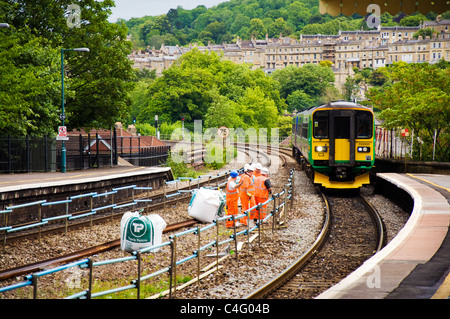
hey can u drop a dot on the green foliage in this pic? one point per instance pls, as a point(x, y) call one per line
point(216, 157)
point(30, 91)
point(417, 97)
point(303, 87)
point(97, 83)
point(202, 86)
point(179, 168)
point(284, 123)
point(246, 19)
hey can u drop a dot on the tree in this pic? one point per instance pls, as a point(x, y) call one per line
point(279, 26)
point(217, 30)
point(202, 86)
point(412, 21)
point(312, 79)
point(30, 93)
point(257, 29)
point(97, 82)
point(222, 112)
point(299, 100)
point(427, 32)
point(299, 14)
point(256, 110)
point(418, 99)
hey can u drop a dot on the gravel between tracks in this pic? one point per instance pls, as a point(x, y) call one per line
point(236, 279)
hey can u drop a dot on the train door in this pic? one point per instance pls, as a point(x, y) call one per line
point(342, 138)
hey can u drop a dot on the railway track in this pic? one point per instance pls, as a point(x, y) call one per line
point(29, 268)
point(26, 269)
point(157, 198)
point(352, 231)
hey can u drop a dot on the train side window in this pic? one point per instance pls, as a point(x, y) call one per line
point(364, 125)
point(320, 125)
point(305, 130)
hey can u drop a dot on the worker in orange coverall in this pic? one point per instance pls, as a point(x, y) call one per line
point(262, 190)
point(246, 191)
point(232, 197)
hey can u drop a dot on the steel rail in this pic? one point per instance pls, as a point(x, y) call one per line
point(299, 263)
point(25, 269)
point(378, 221)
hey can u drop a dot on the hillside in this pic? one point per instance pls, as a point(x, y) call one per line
point(246, 19)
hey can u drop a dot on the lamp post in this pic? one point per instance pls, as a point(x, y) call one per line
point(63, 115)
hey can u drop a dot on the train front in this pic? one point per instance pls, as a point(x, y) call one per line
point(342, 145)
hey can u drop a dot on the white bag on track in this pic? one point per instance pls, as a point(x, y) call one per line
point(206, 204)
point(137, 232)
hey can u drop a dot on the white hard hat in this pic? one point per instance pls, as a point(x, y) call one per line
point(252, 166)
point(258, 166)
point(246, 167)
point(265, 171)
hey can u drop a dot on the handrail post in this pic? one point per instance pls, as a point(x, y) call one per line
point(235, 237)
point(248, 229)
point(34, 281)
point(198, 255)
point(39, 219)
point(175, 265)
point(138, 282)
point(172, 265)
point(274, 212)
point(67, 220)
point(91, 271)
point(259, 223)
point(217, 243)
point(292, 191)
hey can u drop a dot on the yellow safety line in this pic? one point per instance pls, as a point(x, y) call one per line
point(445, 188)
point(444, 290)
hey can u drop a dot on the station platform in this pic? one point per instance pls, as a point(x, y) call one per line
point(19, 188)
point(416, 263)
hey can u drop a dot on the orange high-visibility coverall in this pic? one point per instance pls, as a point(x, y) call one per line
point(261, 195)
point(244, 190)
point(232, 197)
point(252, 202)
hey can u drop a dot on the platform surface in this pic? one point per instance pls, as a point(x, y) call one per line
point(10, 182)
point(416, 263)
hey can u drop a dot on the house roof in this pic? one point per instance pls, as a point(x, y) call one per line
point(125, 140)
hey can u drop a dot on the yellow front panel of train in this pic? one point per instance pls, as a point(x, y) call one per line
point(323, 146)
point(367, 151)
point(342, 150)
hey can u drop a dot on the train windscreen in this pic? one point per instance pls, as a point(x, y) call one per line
point(321, 124)
point(364, 126)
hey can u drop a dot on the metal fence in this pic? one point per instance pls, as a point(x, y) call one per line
point(135, 151)
point(43, 154)
point(177, 256)
point(392, 144)
point(83, 151)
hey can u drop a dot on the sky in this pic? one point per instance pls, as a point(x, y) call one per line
point(127, 9)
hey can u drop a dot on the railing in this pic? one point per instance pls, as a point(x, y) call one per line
point(43, 154)
point(134, 150)
point(38, 219)
point(279, 204)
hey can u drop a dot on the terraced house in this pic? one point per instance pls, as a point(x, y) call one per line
point(348, 49)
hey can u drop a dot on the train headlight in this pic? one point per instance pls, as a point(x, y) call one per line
point(364, 149)
point(321, 148)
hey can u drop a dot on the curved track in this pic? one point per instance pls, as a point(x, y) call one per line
point(346, 240)
point(25, 269)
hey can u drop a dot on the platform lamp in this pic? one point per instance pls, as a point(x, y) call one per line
point(63, 115)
